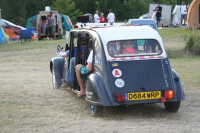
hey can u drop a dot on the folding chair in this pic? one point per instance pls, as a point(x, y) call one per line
point(26, 35)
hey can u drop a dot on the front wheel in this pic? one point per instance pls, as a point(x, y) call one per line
point(96, 111)
point(55, 84)
point(172, 106)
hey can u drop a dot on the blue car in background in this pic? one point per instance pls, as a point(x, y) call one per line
point(148, 22)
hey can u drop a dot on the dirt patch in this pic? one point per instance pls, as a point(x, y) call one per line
point(29, 104)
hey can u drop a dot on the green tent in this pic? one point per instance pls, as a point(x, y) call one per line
point(67, 24)
point(31, 22)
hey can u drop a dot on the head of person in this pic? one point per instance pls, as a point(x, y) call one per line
point(158, 3)
point(97, 12)
point(102, 14)
point(90, 46)
point(48, 15)
point(110, 10)
point(128, 44)
point(51, 13)
point(183, 2)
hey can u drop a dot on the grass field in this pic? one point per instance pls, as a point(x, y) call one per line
point(30, 105)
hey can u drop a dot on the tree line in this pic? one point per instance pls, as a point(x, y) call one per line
point(18, 11)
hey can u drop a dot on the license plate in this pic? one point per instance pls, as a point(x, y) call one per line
point(144, 95)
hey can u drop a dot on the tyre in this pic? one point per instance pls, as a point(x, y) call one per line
point(96, 111)
point(55, 84)
point(172, 106)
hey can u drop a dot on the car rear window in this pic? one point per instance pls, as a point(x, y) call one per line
point(126, 48)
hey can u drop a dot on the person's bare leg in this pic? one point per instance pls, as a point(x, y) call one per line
point(80, 81)
point(160, 24)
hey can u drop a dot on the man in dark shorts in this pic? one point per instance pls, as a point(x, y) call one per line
point(158, 11)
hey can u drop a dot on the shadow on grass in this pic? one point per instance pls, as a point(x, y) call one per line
point(138, 111)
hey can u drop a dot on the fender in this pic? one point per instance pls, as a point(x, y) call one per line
point(96, 91)
point(179, 87)
point(57, 63)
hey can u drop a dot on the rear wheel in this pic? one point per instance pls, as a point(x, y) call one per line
point(55, 84)
point(96, 111)
point(172, 106)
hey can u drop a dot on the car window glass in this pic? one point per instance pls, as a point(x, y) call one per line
point(125, 48)
point(97, 49)
point(75, 41)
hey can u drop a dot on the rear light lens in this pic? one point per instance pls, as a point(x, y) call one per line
point(38, 31)
point(169, 94)
point(75, 26)
point(120, 97)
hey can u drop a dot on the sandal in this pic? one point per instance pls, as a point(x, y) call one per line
point(81, 96)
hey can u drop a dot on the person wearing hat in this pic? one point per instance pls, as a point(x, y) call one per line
point(96, 17)
point(111, 17)
point(158, 11)
point(183, 10)
point(102, 18)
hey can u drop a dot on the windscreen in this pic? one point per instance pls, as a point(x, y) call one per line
point(127, 48)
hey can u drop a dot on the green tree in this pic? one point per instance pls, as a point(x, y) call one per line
point(86, 6)
point(67, 7)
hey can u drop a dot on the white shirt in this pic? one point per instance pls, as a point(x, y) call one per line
point(183, 9)
point(96, 18)
point(111, 17)
point(90, 57)
point(54, 19)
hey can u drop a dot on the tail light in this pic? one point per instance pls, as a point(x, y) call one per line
point(169, 94)
point(75, 26)
point(120, 97)
point(38, 30)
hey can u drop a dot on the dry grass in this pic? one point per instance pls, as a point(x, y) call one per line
point(29, 104)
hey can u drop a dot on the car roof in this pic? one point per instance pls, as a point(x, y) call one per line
point(115, 33)
point(127, 32)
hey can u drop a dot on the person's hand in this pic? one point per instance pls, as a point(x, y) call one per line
point(60, 54)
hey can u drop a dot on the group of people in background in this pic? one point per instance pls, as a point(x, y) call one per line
point(110, 18)
point(183, 10)
point(51, 27)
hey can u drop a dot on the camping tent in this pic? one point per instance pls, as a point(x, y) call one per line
point(67, 22)
point(193, 16)
point(31, 22)
point(2, 38)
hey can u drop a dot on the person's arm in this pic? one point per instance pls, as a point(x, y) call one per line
point(107, 17)
point(46, 21)
point(89, 66)
point(89, 61)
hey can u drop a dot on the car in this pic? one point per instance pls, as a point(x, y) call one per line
point(147, 22)
point(41, 26)
point(130, 66)
point(16, 28)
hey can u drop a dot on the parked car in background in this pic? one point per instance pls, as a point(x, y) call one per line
point(144, 22)
point(16, 28)
point(41, 26)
